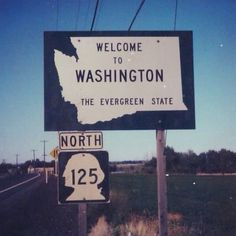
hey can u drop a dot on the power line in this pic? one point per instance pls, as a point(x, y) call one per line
point(176, 9)
point(94, 15)
point(77, 16)
point(99, 10)
point(136, 14)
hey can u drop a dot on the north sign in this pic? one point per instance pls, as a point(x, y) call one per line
point(80, 140)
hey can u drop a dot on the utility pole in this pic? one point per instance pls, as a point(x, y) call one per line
point(44, 155)
point(17, 155)
point(33, 150)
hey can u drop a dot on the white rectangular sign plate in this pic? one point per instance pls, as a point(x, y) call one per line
point(70, 141)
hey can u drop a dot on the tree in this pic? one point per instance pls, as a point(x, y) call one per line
point(172, 160)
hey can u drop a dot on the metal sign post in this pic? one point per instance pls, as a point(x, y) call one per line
point(82, 219)
point(161, 183)
point(129, 81)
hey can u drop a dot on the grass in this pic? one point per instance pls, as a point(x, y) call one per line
point(140, 226)
point(210, 203)
point(206, 204)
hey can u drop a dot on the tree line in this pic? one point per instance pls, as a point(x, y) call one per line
point(223, 161)
point(8, 168)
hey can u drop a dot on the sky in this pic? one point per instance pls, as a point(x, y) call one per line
point(22, 24)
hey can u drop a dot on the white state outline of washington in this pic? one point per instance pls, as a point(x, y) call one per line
point(74, 92)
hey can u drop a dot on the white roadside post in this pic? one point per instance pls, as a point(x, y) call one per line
point(46, 175)
point(56, 167)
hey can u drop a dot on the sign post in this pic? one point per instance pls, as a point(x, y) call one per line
point(82, 219)
point(161, 183)
point(114, 80)
point(54, 153)
point(83, 177)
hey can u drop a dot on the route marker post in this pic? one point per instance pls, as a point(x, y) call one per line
point(82, 219)
point(87, 173)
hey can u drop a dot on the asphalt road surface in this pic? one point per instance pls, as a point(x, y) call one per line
point(31, 209)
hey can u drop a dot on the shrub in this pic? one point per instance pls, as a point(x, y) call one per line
point(141, 226)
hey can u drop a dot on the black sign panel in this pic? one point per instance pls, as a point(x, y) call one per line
point(118, 80)
point(83, 177)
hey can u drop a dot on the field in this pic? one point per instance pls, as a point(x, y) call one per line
point(206, 204)
point(197, 205)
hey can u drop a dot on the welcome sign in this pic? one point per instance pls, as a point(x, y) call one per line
point(118, 80)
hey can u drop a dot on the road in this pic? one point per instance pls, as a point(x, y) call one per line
point(10, 194)
point(32, 209)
